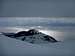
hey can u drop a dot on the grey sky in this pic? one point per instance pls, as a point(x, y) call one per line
point(37, 8)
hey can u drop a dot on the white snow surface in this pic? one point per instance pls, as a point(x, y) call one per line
point(14, 47)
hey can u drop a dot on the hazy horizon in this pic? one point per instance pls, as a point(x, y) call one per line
point(57, 27)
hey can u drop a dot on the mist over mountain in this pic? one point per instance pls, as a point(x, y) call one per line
point(38, 21)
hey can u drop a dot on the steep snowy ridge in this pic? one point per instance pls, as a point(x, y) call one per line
point(31, 36)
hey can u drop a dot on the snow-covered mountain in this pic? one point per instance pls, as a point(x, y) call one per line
point(31, 36)
point(11, 46)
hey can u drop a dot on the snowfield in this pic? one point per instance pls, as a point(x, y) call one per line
point(14, 47)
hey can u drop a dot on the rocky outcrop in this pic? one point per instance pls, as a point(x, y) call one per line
point(26, 33)
point(31, 36)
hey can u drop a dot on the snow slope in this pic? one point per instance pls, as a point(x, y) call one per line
point(13, 47)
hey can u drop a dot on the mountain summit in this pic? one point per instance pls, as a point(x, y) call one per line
point(31, 36)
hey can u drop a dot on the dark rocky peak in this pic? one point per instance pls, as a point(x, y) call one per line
point(21, 33)
point(33, 31)
point(31, 35)
point(26, 33)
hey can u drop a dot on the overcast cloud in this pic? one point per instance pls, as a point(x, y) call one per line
point(37, 8)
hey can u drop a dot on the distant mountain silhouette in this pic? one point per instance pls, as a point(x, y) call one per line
point(31, 36)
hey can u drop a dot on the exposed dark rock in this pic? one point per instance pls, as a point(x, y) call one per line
point(33, 31)
point(32, 34)
point(49, 38)
point(26, 33)
point(8, 34)
point(21, 33)
point(23, 38)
